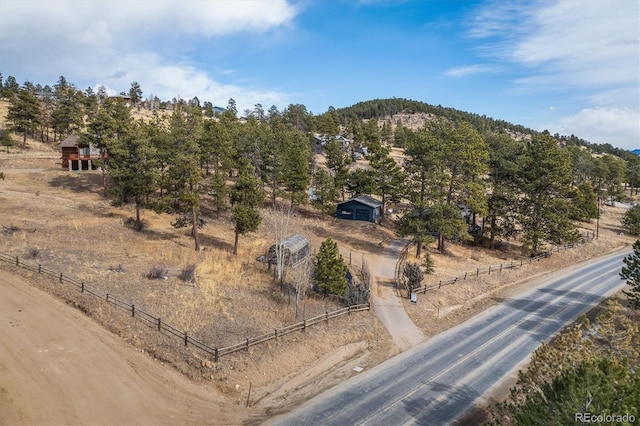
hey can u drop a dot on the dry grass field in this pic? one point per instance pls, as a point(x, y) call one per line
point(61, 220)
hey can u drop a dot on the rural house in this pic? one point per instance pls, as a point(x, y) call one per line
point(78, 157)
point(360, 208)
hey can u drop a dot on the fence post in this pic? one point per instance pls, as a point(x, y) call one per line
point(215, 355)
point(478, 272)
point(304, 325)
point(81, 285)
point(159, 323)
point(326, 314)
point(17, 261)
point(349, 310)
point(133, 310)
point(60, 276)
point(276, 333)
point(185, 339)
point(501, 268)
point(489, 270)
point(247, 344)
point(521, 263)
point(107, 297)
point(440, 284)
point(465, 276)
point(39, 268)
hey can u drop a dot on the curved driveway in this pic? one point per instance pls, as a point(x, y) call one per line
point(386, 303)
point(438, 381)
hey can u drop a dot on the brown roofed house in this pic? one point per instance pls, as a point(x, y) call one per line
point(78, 156)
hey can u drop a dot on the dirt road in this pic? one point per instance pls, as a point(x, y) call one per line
point(387, 305)
point(57, 366)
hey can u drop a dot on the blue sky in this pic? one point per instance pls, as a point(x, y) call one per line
point(570, 66)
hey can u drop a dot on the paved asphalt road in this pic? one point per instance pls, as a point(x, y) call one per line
point(437, 381)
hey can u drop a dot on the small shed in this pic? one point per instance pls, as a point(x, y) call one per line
point(363, 208)
point(296, 249)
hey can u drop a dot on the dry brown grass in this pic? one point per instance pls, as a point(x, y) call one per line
point(64, 217)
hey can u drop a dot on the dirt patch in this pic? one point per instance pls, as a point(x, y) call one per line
point(58, 366)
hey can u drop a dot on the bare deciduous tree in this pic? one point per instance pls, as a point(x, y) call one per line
point(302, 276)
point(280, 222)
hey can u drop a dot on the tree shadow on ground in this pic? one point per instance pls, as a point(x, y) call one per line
point(80, 183)
point(441, 405)
point(209, 241)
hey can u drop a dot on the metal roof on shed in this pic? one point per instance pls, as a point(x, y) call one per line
point(294, 243)
point(366, 200)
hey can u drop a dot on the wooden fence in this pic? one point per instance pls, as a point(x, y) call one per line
point(401, 282)
point(168, 329)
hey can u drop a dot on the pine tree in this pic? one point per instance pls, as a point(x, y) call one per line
point(503, 196)
point(329, 269)
point(388, 177)
point(246, 196)
point(24, 113)
point(325, 191)
point(10, 87)
point(447, 165)
point(112, 122)
point(584, 202)
point(133, 169)
point(631, 220)
point(602, 386)
point(135, 93)
point(360, 182)
point(216, 158)
point(631, 273)
point(296, 173)
point(68, 111)
point(183, 177)
point(337, 164)
point(545, 181)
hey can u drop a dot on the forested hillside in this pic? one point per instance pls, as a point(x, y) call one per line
point(383, 108)
point(456, 177)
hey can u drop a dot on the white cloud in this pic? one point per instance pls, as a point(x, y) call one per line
point(141, 18)
point(465, 71)
point(107, 42)
point(575, 43)
point(167, 80)
point(584, 51)
point(618, 127)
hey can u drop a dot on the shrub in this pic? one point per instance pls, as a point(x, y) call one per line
point(414, 275)
point(631, 220)
point(157, 272)
point(10, 230)
point(188, 273)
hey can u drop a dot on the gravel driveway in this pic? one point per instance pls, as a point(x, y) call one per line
point(386, 302)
